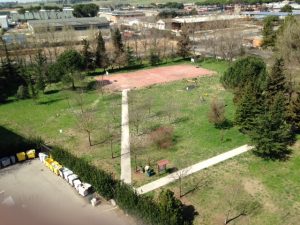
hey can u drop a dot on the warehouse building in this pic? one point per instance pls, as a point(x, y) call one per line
point(4, 22)
point(42, 14)
point(204, 22)
point(38, 26)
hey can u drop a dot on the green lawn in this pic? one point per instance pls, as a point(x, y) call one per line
point(195, 139)
point(57, 111)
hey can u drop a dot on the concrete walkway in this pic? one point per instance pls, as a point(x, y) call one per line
point(125, 141)
point(192, 169)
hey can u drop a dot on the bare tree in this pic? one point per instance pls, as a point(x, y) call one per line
point(179, 175)
point(171, 110)
point(239, 204)
point(85, 117)
point(216, 114)
point(136, 118)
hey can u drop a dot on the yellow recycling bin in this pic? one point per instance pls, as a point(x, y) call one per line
point(56, 167)
point(48, 162)
point(21, 156)
point(30, 154)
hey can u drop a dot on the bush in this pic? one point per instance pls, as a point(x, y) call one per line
point(22, 92)
point(166, 209)
point(162, 137)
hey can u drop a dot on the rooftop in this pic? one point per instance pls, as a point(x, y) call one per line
point(199, 19)
point(70, 22)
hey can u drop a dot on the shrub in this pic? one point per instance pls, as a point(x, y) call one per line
point(22, 92)
point(165, 210)
point(162, 137)
point(216, 114)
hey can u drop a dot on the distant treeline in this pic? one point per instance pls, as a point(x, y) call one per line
point(22, 10)
point(225, 2)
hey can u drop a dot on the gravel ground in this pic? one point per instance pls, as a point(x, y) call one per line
point(33, 185)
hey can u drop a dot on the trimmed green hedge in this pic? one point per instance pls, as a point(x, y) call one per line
point(166, 210)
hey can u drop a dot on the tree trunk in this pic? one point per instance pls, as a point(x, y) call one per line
point(180, 188)
point(135, 163)
point(227, 220)
point(111, 149)
point(89, 136)
point(73, 85)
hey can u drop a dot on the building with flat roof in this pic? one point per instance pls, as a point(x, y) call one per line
point(204, 22)
point(38, 26)
point(42, 15)
point(4, 22)
point(261, 15)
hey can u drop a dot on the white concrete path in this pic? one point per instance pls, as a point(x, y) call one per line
point(125, 141)
point(192, 169)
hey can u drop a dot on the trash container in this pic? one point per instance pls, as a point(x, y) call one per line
point(12, 159)
point(5, 161)
point(30, 154)
point(21, 156)
point(42, 156)
point(48, 162)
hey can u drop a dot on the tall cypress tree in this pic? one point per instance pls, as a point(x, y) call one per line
point(117, 41)
point(101, 58)
point(272, 134)
point(249, 107)
point(87, 54)
point(294, 111)
point(184, 44)
point(40, 71)
point(276, 82)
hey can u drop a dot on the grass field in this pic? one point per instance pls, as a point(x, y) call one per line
point(194, 136)
point(57, 111)
point(274, 186)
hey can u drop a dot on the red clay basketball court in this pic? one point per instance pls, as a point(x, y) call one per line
point(147, 77)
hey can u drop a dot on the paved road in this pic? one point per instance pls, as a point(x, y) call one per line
point(192, 169)
point(49, 196)
point(125, 141)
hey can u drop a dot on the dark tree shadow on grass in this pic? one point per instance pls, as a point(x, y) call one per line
point(12, 143)
point(189, 214)
point(275, 156)
point(181, 120)
point(227, 124)
point(51, 92)
point(51, 101)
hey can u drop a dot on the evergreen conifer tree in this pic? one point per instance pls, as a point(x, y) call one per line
point(276, 82)
point(272, 134)
point(184, 44)
point(294, 112)
point(87, 55)
point(117, 42)
point(100, 55)
point(249, 107)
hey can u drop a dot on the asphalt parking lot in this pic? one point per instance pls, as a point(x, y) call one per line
point(32, 185)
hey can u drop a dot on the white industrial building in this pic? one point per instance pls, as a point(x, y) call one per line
point(4, 22)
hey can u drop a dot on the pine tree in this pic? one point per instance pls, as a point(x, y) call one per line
point(249, 107)
point(293, 112)
point(101, 58)
point(154, 57)
point(276, 82)
point(130, 58)
point(40, 71)
point(87, 55)
point(171, 208)
point(183, 44)
point(117, 42)
point(272, 134)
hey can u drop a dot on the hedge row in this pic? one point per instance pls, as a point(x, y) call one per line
point(166, 210)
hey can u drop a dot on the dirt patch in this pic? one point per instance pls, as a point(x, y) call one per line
point(256, 188)
point(144, 78)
